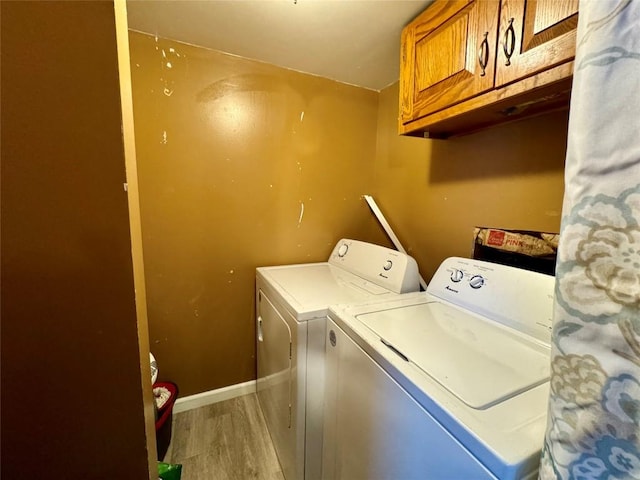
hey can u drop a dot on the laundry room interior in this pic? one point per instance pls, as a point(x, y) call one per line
point(185, 176)
point(243, 164)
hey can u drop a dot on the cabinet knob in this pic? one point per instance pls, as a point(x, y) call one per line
point(509, 43)
point(483, 54)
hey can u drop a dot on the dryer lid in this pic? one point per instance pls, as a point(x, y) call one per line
point(309, 289)
point(479, 361)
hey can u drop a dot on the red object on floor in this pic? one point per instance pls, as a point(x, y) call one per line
point(164, 418)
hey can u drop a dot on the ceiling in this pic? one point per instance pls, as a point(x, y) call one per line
point(351, 41)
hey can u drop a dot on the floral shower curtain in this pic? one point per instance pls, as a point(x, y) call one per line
point(593, 429)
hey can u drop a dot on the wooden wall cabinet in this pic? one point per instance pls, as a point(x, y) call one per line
point(469, 64)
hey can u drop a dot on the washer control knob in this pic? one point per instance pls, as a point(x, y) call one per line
point(342, 251)
point(387, 265)
point(457, 275)
point(476, 281)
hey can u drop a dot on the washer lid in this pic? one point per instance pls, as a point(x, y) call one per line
point(479, 361)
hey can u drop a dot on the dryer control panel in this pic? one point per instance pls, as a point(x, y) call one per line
point(382, 266)
point(512, 296)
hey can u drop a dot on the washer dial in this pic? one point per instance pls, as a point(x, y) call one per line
point(476, 281)
point(457, 275)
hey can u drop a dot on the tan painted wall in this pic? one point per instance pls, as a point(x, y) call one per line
point(72, 402)
point(228, 152)
point(436, 191)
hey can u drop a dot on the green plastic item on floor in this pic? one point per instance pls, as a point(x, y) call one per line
point(168, 471)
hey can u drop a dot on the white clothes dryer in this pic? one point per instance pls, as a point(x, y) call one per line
point(448, 384)
point(292, 303)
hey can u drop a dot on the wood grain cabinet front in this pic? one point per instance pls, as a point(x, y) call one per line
point(448, 56)
point(469, 64)
point(535, 35)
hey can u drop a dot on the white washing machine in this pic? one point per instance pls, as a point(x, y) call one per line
point(448, 384)
point(292, 303)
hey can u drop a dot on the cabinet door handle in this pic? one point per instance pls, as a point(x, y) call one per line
point(509, 44)
point(260, 337)
point(483, 54)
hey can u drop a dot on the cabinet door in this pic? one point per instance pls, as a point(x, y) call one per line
point(443, 51)
point(535, 35)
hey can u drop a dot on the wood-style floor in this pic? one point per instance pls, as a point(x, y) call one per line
point(224, 441)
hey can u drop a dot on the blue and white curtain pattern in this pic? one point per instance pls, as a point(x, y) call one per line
point(593, 429)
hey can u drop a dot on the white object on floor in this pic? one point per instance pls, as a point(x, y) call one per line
point(161, 396)
point(154, 368)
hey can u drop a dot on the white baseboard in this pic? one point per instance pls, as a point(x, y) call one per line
point(213, 396)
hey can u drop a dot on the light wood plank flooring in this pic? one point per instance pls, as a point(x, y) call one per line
point(224, 441)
